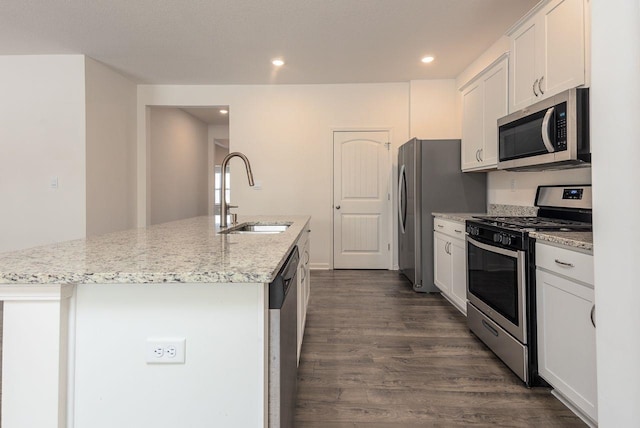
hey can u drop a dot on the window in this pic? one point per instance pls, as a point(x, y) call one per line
point(217, 185)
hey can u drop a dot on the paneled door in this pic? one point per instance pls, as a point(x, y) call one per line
point(361, 200)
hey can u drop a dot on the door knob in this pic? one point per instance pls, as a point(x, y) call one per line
point(337, 207)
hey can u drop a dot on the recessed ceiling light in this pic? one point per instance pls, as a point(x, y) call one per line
point(223, 111)
point(277, 62)
point(427, 59)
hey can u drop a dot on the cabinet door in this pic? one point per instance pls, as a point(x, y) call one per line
point(472, 125)
point(442, 262)
point(458, 275)
point(563, 41)
point(523, 66)
point(301, 306)
point(495, 107)
point(307, 275)
point(566, 339)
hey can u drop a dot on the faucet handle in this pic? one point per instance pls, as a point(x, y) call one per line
point(234, 219)
point(231, 206)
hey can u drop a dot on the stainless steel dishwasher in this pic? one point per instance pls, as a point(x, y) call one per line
point(283, 336)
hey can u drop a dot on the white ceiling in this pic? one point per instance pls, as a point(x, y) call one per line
point(233, 41)
point(209, 115)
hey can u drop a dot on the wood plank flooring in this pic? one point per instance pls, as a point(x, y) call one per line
point(377, 354)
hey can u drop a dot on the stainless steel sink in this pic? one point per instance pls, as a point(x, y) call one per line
point(257, 228)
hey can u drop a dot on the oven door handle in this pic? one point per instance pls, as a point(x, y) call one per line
point(493, 248)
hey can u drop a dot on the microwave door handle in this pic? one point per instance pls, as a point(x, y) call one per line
point(545, 130)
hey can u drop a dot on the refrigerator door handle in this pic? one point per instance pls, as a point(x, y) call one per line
point(401, 200)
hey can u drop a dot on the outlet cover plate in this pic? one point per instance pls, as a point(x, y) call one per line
point(165, 350)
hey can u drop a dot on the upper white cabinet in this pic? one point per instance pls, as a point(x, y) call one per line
point(547, 53)
point(484, 101)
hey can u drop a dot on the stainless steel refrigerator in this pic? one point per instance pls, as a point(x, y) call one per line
point(430, 180)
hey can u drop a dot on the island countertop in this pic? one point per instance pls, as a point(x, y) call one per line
point(183, 251)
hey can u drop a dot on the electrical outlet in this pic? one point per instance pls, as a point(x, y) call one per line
point(166, 350)
point(513, 184)
point(171, 351)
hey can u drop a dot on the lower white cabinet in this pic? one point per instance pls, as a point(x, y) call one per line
point(450, 262)
point(304, 284)
point(566, 326)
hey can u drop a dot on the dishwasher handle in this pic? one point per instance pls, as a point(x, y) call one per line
point(286, 277)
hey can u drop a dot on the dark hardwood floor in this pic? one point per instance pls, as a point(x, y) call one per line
point(377, 354)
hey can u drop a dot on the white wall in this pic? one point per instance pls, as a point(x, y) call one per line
point(42, 135)
point(286, 132)
point(434, 111)
point(178, 167)
point(111, 149)
point(615, 109)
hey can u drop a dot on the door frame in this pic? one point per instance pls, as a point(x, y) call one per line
point(391, 181)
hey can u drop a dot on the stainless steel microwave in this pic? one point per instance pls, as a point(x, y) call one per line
point(551, 134)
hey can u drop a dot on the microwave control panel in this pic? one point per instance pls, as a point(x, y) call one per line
point(561, 126)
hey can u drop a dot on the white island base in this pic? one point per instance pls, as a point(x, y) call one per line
point(100, 333)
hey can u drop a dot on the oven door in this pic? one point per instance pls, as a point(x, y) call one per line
point(496, 285)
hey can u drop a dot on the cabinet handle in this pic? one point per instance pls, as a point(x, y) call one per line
point(534, 88)
point(306, 253)
point(477, 155)
point(540, 85)
point(565, 264)
point(480, 154)
point(447, 248)
point(593, 314)
point(440, 226)
point(457, 231)
point(337, 207)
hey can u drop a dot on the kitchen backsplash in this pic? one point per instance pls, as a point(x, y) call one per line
point(519, 188)
point(512, 210)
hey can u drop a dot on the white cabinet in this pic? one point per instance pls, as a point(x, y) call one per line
point(548, 52)
point(449, 261)
point(566, 326)
point(304, 284)
point(484, 101)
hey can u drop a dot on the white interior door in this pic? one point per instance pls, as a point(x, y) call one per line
point(362, 200)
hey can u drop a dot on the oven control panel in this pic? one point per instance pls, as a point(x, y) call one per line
point(504, 238)
point(495, 236)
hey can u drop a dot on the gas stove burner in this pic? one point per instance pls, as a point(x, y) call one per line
point(535, 223)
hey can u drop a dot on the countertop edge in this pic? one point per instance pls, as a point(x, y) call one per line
point(571, 240)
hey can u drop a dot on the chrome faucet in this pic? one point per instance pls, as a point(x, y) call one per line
point(224, 207)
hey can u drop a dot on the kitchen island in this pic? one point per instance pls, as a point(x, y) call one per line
point(80, 317)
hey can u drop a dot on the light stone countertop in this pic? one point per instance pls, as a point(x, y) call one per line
point(184, 251)
point(493, 210)
point(461, 217)
point(581, 240)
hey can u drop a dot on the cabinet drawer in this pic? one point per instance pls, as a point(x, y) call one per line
point(448, 227)
point(572, 264)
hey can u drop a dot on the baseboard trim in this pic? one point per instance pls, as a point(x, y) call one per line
point(319, 266)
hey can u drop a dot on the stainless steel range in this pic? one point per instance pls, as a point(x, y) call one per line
point(501, 273)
